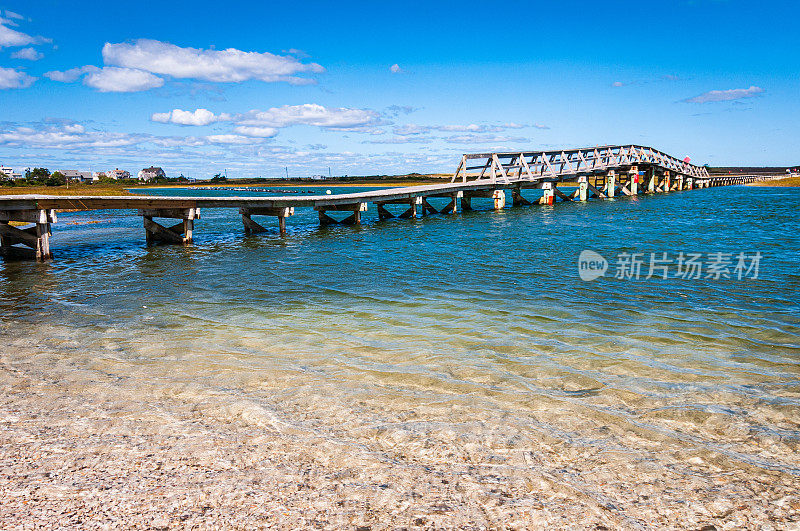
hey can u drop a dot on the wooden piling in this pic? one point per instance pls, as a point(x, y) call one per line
point(32, 241)
point(180, 233)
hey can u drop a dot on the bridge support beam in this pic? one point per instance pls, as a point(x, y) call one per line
point(633, 173)
point(583, 188)
point(452, 206)
point(689, 183)
point(353, 219)
point(251, 227)
point(548, 197)
point(27, 243)
point(181, 233)
point(517, 199)
point(410, 212)
point(611, 184)
point(499, 197)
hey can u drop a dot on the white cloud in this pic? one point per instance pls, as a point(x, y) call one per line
point(541, 126)
point(230, 65)
point(311, 114)
point(726, 95)
point(481, 139)
point(64, 136)
point(198, 117)
point(68, 76)
point(261, 132)
point(14, 79)
point(11, 37)
point(618, 84)
point(414, 129)
point(113, 79)
point(229, 139)
point(11, 14)
point(395, 69)
point(27, 53)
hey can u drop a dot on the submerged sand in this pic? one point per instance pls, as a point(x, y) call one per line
point(91, 458)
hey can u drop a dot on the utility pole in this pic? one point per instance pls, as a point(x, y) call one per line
point(287, 171)
point(329, 172)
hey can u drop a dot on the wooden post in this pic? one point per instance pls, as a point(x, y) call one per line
point(452, 206)
point(499, 197)
point(689, 183)
point(651, 180)
point(548, 197)
point(34, 239)
point(180, 233)
point(466, 202)
point(666, 183)
point(633, 173)
point(583, 187)
point(611, 185)
point(251, 227)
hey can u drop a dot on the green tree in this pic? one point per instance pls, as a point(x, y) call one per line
point(56, 179)
point(37, 175)
point(5, 180)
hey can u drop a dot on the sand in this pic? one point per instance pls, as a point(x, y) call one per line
point(89, 457)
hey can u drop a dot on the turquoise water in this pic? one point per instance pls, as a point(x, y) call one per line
point(468, 336)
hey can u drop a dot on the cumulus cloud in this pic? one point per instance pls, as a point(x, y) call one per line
point(113, 79)
point(260, 132)
point(71, 75)
point(726, 95)
point(395, 69)
point(198, 117)
point(14, 79)
point(11, 38)
point(29, 54)
point(230, 65)
point(64, 136)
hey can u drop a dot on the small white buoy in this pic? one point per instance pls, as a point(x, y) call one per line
point(328, 192)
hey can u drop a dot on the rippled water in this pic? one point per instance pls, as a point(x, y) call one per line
point(464, 338)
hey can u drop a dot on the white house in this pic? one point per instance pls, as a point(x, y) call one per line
point(82, 176)
point(151, 173)
point(118, 174)
point(10, 173)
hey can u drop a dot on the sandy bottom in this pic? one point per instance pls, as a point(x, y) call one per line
point(91, 457)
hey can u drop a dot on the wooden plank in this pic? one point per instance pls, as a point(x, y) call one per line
point(174, 213)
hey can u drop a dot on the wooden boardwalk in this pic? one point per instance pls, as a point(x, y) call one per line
point(599, 172)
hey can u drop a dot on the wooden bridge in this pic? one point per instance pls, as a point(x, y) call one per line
point(565, 175)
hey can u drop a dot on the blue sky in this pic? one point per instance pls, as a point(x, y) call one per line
point(254, 87)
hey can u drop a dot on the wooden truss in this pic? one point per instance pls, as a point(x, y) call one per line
point(538, 165)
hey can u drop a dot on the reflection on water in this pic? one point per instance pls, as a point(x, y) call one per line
point(456, 343)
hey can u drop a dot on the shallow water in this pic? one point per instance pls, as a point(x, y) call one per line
point(467, 338)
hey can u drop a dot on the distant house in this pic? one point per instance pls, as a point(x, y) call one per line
point(151, 173)
point(10, 173)
point(81, 176)
point(118, 174)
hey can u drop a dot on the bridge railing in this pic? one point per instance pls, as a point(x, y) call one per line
point(537, 165)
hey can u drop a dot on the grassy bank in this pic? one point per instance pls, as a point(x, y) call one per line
point(105, 189)
point(788, 181)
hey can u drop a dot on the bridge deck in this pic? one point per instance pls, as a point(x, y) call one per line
point(592, 171)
